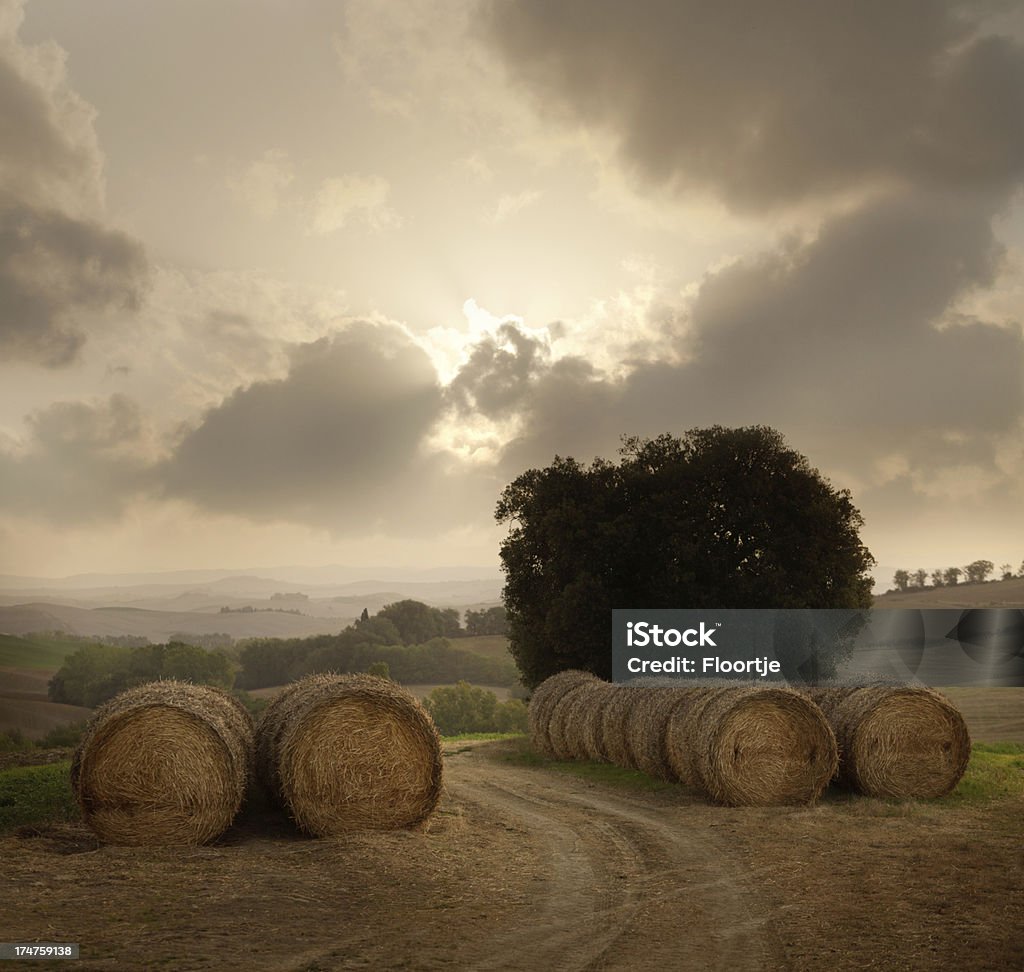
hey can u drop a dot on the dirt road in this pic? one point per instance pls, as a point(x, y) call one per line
point(528, 868)
point(622, 884)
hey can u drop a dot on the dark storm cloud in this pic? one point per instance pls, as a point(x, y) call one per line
point(841, 332)
point(58, 262)
point(338, 442)
point(851, 341)
point(572, 411)
point(561, 405)
point(833, 341)
point(498, 374)
point(53, 268)
point(770, 103)
point(81, 463)
point(39, 150)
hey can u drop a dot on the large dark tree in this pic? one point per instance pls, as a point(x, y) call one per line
point(719, 518)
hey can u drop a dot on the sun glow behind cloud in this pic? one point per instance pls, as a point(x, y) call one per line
point(643, 256)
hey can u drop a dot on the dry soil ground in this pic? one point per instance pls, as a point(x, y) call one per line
point(25, 706)
point(529, 868)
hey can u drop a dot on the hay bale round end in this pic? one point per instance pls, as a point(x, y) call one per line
point(164, 763)
point(897, 741)
point(545, 698)
point(764, 747)
point(351, 752)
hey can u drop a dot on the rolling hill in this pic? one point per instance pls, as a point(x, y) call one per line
point(993, 594)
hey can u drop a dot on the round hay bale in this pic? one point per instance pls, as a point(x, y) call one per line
point(612, 741)
point(545, 697)
point(350, 752)
point(646, 728)
point(898, 741)
point(164, 763)
point(582, 719)
point(681, 731)
point(759, 746)
point(565, 731)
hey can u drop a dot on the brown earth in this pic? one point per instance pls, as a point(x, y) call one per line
point(529, 868)
point(24, 705)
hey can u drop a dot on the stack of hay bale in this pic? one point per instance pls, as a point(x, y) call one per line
point(170, 762)
point(757, 745)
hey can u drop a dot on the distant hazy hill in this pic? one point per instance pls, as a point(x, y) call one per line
point(1009, 593)
point(159, 626)
point(331, 593)
point(331, 575)
point(159, 606)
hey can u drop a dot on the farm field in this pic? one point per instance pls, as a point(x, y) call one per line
point(526, 867)
point(993, 594)
point(24, 704)
point(26, 667)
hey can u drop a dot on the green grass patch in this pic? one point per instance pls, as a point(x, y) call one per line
point(995, 772)
point(36, 651)
point(36, 795)
point(1002, 749)
point(521, 753)
point(486, 736)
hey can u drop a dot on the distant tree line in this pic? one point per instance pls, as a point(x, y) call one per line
point(976, 572)
point(96, 672)
point(491, 621)
point(56, 635)
point(410, 638)
point(275, 661)
point(407, 641)
point(249, 609)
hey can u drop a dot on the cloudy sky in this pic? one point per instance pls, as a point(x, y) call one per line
point(310, 281)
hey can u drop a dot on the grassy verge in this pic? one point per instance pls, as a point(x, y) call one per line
point(520, 753)
point(36, 795)
point(486, 736)
point(995, 772)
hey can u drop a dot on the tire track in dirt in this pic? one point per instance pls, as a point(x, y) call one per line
point(628, 885)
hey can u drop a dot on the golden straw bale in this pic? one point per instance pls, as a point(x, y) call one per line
point(564, 728)
point(612, 740)
point(896, 740)
point(582, 719)
point(681, 732)
point(646, 727)
point(759, 746)
point(545, 697)
point(164, 763)
point(350, 752)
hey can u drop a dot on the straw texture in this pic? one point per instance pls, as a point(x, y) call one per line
point(164, 763)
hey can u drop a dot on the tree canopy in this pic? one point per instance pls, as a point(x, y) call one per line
point(97, 672)
point(717, 518)
point(417, 622)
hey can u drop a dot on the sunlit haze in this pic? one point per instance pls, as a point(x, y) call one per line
point(310, 282)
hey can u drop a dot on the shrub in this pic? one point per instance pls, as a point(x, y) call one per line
point(464, 708)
